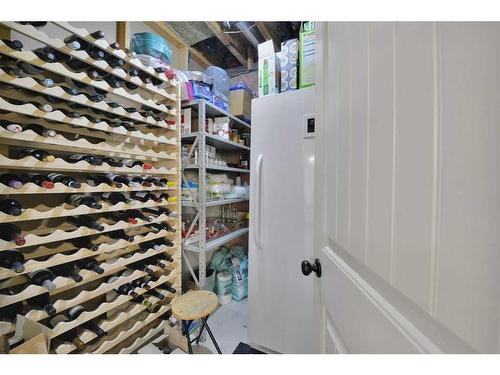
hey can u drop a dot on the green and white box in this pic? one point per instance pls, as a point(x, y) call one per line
point(268, 68)
point(307, 55)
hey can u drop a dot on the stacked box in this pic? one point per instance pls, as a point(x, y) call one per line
point(289, 56)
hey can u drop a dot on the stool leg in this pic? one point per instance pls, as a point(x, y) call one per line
point(185, 329)
point(201, 332)
point(204, 320)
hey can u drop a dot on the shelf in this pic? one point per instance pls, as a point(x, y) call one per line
point(213, 203)
point(54, 260)
point(59, 188)
point(213, 111)
point(60, 69)
point(82, 122)
point(57, 92)
point(218, 142)
point(28, 138)
point(216, 242)
point(60, 46)
point(104, 45)
point(59, 164)
point(218, 168)
point(58, 234)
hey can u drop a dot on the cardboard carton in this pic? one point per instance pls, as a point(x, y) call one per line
point(289, 56)
point(307, 55)
point(268, 69)
point(240, 103)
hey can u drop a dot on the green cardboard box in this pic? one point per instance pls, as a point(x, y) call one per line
point(307, 55)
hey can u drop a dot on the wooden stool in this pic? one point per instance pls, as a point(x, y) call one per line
point(195, 304)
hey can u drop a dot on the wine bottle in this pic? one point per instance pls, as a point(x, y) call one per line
point(12, 259)
point(140, 267)
point(11, 232)
point(37, 154)
point(70, 335)
point(66, 180)
point(71, 90)
point(70, 114)
point(155, 181)
point(157, 227)
point(169, 288)
point(76, 311)
point(113, 104)
point(131, 86)
point(140, 181)
point(113, 81)
point(40, 130)
point(97, 179)
point(112, 162)
point(157, 210)
point(164, 257)
point(11, 180)
point(140, 299)
point(125, 289)
point(89, 264)
point(115, 197)
point(16, 45)
point(163, 242)
point(37, 179)
point(142, 196)
point(14, 128)
point(35, 24)
point(156, 294)
point(96, 53)
point(132, 163)
point(11, 207)
point(67, 270)
point(120, 216)
point(141, 283)
point(83, 199)
point(120, 235)
point(114, 61)
point(84, 243)
point(119, 179)
point(85, 221)
point(83, 44)
point(138, 214)
point(91, 159)
point(46, 54)
point(9, 313)
point(42, 277)
point(115, 45)
point(133, 72)
point(42, 302)
point(168, 183)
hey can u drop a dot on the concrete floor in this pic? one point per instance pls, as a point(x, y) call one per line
point(229, 326)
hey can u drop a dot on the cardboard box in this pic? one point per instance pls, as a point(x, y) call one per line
point(289, 56)
point(240, 103)
point(268, 69)
point(221, 127)
point(307, 55)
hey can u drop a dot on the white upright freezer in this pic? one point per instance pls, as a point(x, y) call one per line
point(281, 221)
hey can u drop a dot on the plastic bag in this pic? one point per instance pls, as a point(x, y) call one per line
point(152, 45)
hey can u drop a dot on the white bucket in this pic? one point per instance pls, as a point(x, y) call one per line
point(224, 281)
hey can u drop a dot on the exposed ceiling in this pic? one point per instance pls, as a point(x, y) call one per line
point(232, 45)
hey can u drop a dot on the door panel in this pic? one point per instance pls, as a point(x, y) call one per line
point(407, 184)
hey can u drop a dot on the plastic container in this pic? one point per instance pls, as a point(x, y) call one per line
point(221, 82)
point(152, 45)
point(224, 287)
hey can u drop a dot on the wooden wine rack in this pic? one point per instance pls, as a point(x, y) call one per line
point(42, 222)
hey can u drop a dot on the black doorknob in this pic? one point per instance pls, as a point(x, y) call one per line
point(307, 267)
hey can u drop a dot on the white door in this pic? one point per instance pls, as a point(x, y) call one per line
point(407, 177)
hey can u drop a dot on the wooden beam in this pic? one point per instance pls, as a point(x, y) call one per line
point(123, 34)
point(231, 44)
point(264, 30)
point(165, 31)
point(4, 32)
point(183, 61)
point(249, 57)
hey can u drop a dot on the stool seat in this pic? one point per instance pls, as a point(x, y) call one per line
point(195, 304)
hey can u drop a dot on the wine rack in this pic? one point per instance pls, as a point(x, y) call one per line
point(138, 121)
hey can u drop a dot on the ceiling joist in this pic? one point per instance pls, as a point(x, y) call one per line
point(232, 44)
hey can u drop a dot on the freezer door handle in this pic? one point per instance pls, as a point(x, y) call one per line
point(258, 191)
